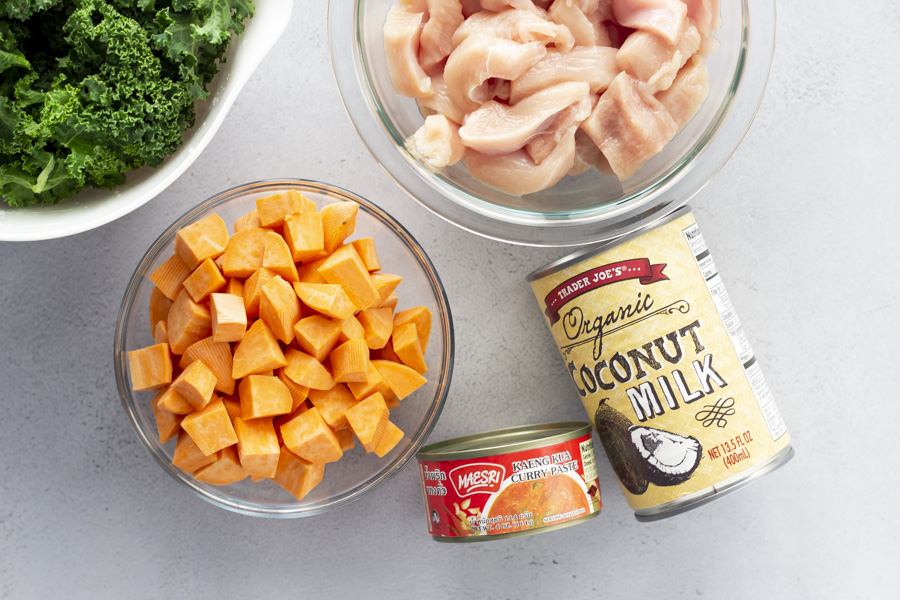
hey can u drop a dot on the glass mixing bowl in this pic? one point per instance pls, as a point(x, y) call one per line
point(579, 210)
point(356, 473)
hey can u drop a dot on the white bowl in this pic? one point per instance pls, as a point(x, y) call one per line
point(95, 207)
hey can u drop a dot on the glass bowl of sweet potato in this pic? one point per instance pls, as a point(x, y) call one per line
point(552, 122)
point(283, 348)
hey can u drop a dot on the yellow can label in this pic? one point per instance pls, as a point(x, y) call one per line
point(662, 365)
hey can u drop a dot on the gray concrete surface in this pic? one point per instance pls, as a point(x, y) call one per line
point(802, 222)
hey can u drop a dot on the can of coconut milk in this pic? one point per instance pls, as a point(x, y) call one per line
point(663, 367)
point(510, 482)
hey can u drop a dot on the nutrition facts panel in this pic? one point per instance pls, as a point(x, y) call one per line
point(735, 331)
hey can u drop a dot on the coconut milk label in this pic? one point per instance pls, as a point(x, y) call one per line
point(662, 364)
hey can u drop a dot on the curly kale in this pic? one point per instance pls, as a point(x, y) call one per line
point(91, 89)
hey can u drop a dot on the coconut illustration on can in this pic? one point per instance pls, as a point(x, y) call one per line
point(663, 367)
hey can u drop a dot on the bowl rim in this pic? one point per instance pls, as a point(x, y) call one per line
point(671, 191)
point(390, 469)
point(263, 29)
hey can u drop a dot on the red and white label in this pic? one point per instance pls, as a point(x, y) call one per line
point(508, 493)
point(477, 478)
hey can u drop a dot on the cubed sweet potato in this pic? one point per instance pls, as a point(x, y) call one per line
point(210, 427)
point(309, 437)
point(258, 352)
point(151, 367)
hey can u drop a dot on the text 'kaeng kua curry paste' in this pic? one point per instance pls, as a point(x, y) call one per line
point(663, 367)
point(510, 482)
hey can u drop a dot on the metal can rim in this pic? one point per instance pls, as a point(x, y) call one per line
point(523, 437)
point(589, 251)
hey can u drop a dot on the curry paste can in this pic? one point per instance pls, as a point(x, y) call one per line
point(510, 482)
point(663, 367)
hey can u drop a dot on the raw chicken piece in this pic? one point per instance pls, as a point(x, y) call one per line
point(704, 14)
point(595, 65)
point(708, 46)
point(444, 17)
point(437, 142)
point(470, 7)
point(655, 61)
point(481, 57)
point(629, 125)
point(401, 44)
point(440, 102)
point(515, 173)
point(587, 154)
point(586, 30)
point(499, 5)
point(541, 144)
point(496, 128)
point(517, 25)
point(415, 6)
point(688, 92)
point(663, 17)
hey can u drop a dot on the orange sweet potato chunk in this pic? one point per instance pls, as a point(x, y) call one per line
point(187, 455)
point(253, 290)
point(304, 236)
point(171, 401)
point(169, 276)
point(368, 419)
point(257, 446)
point(188, 322)
point(307, 371)
point(217, 356)
point(228, 317)
point(248, 221)
point(345, 438)
point(232, 407)
point(279, 308)
point(244, 253)
point(161, 333)
point(351, 329)
point(205, 280)
point(274, 208)
point(201, 240)
point(402, 380)
point(365, 247)
point(235, 287)
point(329, 299)
point(385, 283)
point(277, 257)
point(196, 384)
point(167, 424)
point(317, 335)
point(298, 392)
point(258, 352)
point(390, 302)
point(151, 367)
point(308, 272)
point(389, 439)
point(407, 346)
point(378, 324)
point(345, 268)
point(296, 475)
point(210, 428)
point(349, 361)
point(159, 307)
point(309, 437)
point(263, 396)
point(374, 383)
point(421, 316)
point(338, 222)
point(333, 404)
point(225, 470)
